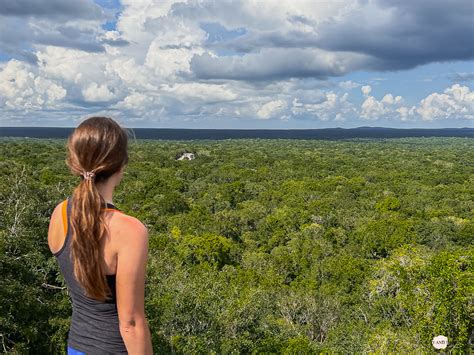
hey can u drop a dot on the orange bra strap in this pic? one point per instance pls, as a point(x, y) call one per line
point(64, 213)
point(64, 210)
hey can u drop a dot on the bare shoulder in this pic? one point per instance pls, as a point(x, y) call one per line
point(56, 215)
point(129, 230)
point(57, 210)
point(56, 229)
point(130, 223)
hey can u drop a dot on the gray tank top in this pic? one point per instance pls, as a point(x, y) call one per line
point(94, 324)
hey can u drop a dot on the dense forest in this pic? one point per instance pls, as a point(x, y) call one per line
point(262, 246)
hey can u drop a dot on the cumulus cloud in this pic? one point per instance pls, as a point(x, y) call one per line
point(389, 107)
point(348, 85)
point(372, 109)
point(98, 93)
point(331, 107)
point(271, 108)
point(209, 93)
point(455, 102)
point(366, 89)
point(21, 88)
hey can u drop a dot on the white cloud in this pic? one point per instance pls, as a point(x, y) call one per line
point(348, 85)
point(176, 42)
point(21, 88)
point(456, 102)
point(201, 91)
point(390, 100)
point(130, 73)
point(372, 109)
point(389, 107)
point(271, 109)
point(406, 113)
point(366, 89)
point(141, 107)
point(67, 64)
point(332, 107)
point(97, 93)
point(135, 100)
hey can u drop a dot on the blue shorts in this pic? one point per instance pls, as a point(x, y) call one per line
point(71, 351)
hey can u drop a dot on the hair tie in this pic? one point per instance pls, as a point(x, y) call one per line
point(88, 175)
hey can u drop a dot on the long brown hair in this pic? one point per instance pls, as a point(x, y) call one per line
point(98, 145)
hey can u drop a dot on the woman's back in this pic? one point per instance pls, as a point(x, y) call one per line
point(94, 324)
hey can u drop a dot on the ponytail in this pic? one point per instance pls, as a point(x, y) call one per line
point(99, 145)
point(88, 227)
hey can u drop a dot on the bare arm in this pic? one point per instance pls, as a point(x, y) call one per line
point(132, 258)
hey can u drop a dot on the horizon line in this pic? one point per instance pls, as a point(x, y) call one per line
point(254, 129)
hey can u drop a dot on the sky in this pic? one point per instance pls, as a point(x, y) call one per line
point(271, 64)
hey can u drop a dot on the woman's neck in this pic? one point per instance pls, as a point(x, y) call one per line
point(106, 190)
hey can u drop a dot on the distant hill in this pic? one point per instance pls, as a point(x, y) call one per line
point(189, 134)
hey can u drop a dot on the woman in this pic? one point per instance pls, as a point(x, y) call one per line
point(101, 251)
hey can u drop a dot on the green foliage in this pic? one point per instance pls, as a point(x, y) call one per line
point(206, 248)
point(423, 293)
point(262, 246)
point(388, 204)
